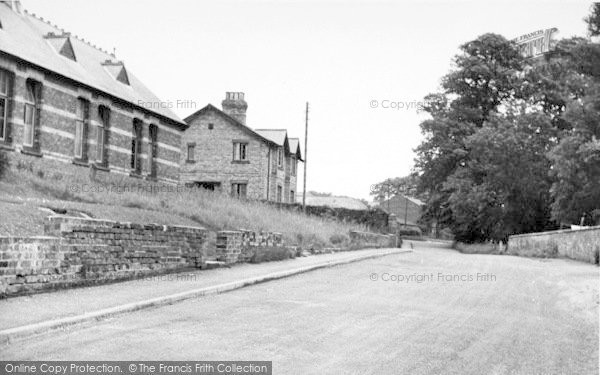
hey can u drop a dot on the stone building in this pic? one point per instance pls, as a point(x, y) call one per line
point(408, 210)
point(62, 98)
point(220, 152)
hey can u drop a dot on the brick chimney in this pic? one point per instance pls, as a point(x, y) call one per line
point(235, 106)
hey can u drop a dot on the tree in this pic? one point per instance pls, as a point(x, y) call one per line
point(487, 73)
point(392, 187)
point(513, 145)
point(576, 159)
point(504, 187)
point(593, 20)
point(576, 163)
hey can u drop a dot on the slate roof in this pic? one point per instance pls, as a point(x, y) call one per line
point(276, 135)
point(333, 201)
point(295, 147)
point(39, 42)
point(233, 120)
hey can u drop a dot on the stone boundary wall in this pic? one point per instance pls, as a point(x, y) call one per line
point(240, 245)
point(77, 251)
point(237, 246)
point(367, 239)
point(582, 244)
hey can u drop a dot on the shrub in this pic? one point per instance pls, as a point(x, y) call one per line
point(337, 239)
point(409, 232)
point(272, 253)
point(476, 248)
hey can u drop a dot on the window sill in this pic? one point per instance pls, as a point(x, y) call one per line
point(100, 167)
point(6, 146)
point(240, 162)
point(151, 178)
point(81, 162)
point(135, 175)
point(28, 151)
point(190, 161)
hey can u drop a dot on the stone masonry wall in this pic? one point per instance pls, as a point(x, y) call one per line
point(213, 137)
point(87, 251)
point(583, 244)
point(239, 246)
point(367, 239)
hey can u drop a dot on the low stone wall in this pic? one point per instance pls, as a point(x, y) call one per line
point(86, 251)
point(582, 244)
point(367, 239)
point(243, 245)
point(240, 246)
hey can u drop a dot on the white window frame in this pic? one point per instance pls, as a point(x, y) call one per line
point(4, 96)
point(280, 157)
point(31, 101)
point(82, 113)
point(137, 129)
point(236, 189)
point(153, 149)
point(192, 147)
point(240, 151)
point(101, 134)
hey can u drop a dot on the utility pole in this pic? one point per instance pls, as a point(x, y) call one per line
point(405, 209)
point(305, 157)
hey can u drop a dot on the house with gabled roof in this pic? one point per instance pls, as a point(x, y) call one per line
point(220, 152)
point(62, 98)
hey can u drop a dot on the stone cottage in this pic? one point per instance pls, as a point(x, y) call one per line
point(220, 152)
point(62, 98)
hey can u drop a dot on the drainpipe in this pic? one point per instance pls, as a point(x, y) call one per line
point(268, 172)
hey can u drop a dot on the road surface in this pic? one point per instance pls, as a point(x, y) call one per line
point(433, 311)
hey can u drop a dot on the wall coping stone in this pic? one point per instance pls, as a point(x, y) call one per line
point(81, 222)
point(13, 239)
point(560, 231)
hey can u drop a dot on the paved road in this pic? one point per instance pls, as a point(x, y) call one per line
point(523, 316)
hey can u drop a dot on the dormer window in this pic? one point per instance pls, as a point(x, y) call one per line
point(62, 44)
point(117, 70)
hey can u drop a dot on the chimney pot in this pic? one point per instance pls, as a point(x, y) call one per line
point(235, 106)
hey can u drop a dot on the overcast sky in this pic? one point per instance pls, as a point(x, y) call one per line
point(339, 56)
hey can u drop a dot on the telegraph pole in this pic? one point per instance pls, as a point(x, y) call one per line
point(305, 157)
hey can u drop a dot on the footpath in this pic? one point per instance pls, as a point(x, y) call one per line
point(34, 314)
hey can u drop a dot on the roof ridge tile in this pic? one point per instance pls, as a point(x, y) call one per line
point(89, 43)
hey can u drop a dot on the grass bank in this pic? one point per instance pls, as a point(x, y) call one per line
point(30, 190)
